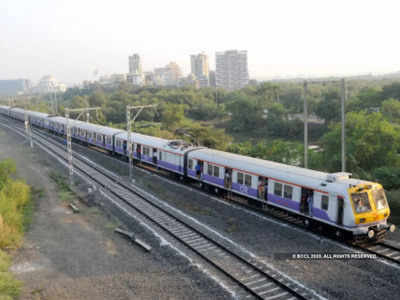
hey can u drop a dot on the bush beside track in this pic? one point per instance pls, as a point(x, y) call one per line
point(15, 215)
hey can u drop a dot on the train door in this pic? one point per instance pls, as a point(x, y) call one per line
point(124, 146)
point(307, 201)
point(199, 168)
point(139, 151)
point(340, 208)
point(155, 156)
point(228, 178)
point(262, 188)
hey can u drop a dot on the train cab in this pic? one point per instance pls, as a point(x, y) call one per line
point(370, 208)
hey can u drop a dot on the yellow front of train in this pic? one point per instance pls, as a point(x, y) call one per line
point(371, 209)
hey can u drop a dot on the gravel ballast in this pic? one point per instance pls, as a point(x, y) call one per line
point(78, 256)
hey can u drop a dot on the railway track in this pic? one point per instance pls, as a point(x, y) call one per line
point(257, 280)
point(384, 250)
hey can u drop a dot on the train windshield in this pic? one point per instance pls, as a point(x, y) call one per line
point(380, 199)
point(361, 202)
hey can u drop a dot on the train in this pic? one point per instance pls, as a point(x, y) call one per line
point(352, 208)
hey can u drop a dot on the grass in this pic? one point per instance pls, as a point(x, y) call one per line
point(9, 286)
point(29, 209)
point(65, 193)
point(16, 214)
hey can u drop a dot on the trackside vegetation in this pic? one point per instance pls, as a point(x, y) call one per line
point(15, 209)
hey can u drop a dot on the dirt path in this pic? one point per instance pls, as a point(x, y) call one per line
point(77, 256)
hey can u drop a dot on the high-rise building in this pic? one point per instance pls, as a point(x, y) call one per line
point(135, 75)
point(231, 70)
point(200, 68)
point(135, 65)
point(212, 78)
point(168, 76)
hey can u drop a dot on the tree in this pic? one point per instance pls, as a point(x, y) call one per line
point(172, 115)
point(391, 110)
point(329, 108)
point(391, 91)
point(79, 102)
point(371, 142)
point(275, 150)
point(246, 115)
point(98, 98)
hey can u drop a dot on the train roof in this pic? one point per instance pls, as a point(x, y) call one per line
point(98, 128)
point(148, 140)
point(305, 177)
point(62, 120)
point(17, 109)
point(4, 107)
point(37, 114)
point(176, 146)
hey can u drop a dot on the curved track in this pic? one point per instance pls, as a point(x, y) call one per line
point(254, 277)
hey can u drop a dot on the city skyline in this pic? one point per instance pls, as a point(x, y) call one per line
point(283, 39)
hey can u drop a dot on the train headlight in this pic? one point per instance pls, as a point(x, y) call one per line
point(392, 228)
point(371, 233)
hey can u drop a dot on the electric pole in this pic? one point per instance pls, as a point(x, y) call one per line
point(305, 108)
point(344, 98)
point(129, 123)
point(86, 110)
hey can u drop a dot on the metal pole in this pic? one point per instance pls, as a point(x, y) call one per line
point(305, 126)
point(344, 98)
point(129, 145)
point(87, 117)
point(69, 148)
point(129, 129)
point(28, 129)
point(56, 101)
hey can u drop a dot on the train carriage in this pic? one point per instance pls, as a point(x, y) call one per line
point(163, 153)
point(17, 113)
point(97, 135)
point(4, 110)
point(56, 125)
point(37, 118)
point(328, 198)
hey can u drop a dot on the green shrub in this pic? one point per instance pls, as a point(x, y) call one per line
point(389, 177)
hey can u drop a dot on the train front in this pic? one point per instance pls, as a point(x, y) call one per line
point(371, 211)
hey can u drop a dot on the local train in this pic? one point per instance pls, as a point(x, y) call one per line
point(348, 207)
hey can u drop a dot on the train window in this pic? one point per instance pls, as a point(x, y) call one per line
point(247, 180)
point(99, 137)
point(160, 155)
point(324, 202)
point(209, 170)
point(278, 189)
point(380, 199)
point(146, 151)
point(288, 191)
point(240, 178)
point(190, 163)
point(361, 202)
point(216, 171)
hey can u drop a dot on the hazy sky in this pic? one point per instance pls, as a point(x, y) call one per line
point(70, 39)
